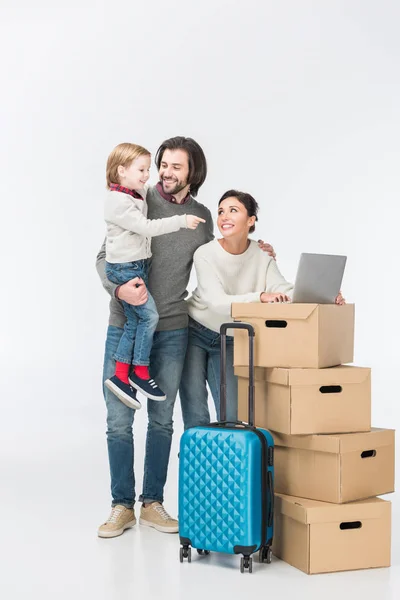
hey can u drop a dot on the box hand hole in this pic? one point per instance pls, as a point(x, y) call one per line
point(330, 389)
point(368, 454)
point(351, 525)
point(275, 324)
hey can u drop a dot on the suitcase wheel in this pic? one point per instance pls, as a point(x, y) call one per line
point(246, 562)
point(200, 551)
point(185, 552)
point(265, 554)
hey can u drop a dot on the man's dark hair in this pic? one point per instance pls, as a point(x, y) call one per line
point(248, 202)
point(197, 160)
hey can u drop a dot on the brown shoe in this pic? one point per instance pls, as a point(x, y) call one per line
point(121, 518)
point(155, 515)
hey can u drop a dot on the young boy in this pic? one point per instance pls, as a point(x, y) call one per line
point(127, 253)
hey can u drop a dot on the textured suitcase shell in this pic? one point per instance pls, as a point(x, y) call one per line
point(220, 483)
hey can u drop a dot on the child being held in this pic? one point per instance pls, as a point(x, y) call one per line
point(128, 249)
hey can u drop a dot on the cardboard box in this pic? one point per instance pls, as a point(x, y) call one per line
point(310, 336)
point(317, 537)
point(304, 401)
point(335, 467)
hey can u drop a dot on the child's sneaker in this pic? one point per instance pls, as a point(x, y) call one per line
point(148, 387)
point(123, 391)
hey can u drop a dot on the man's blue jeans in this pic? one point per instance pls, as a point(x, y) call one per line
point(166, 364)
point(202, 366)
point(141, 321)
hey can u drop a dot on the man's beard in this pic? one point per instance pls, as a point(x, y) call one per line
point(178, 187)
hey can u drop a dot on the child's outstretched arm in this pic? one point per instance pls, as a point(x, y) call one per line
point(123, 212)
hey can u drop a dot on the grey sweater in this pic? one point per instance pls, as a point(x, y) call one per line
point(170, 264)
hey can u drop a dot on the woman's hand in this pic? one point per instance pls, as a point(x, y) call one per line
point(339, 299)
point(265, 247)
point(264, 297)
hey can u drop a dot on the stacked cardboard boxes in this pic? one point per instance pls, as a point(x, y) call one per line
point(329, 464)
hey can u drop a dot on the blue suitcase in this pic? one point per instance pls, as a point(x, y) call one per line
point(226, 473)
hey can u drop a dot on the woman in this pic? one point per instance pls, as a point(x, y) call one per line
point(230, 269)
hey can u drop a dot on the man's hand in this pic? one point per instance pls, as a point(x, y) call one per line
point(133, 292)
point(264, 297)
point(265, 247)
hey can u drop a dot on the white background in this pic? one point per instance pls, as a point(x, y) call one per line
point(296, 102)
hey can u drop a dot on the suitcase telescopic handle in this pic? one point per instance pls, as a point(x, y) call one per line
point(250, 330)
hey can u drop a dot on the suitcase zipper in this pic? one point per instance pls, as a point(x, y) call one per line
point(264, 494)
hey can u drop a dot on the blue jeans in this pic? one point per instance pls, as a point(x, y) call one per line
point(202, 366)
point(167, 358)
point(141, 321)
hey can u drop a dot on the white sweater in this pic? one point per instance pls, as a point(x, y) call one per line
point(129, 231)
point(224, 278)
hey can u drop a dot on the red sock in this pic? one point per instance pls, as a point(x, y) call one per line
point(142, 371)
point(122, 371)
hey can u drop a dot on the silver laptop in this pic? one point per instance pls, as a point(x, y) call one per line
point(319, 278)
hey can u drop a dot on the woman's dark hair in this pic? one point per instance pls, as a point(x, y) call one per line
point(197, 160)
point(248, 202)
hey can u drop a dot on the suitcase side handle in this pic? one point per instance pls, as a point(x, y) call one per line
point(272, 498)
point(250, 330)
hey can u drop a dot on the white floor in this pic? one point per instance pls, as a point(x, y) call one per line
point(54, 483)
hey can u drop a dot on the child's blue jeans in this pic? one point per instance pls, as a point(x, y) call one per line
point(141, 321)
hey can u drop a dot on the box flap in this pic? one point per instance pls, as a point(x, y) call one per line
point(259, 372)
point(286, 505)
point(370, 440)
point(337, 443)
point(330, 376)
point(321, 443)
point(312, 511)
point(262, 310)
point(270, 374)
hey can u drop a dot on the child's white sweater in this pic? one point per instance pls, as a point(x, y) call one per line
point(129, 231)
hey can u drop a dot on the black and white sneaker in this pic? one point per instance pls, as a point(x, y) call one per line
point(123, 391)
point(148, 387)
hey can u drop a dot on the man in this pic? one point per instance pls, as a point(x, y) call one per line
point(182, 171)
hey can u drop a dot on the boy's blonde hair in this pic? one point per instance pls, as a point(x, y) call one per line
point(124, 155)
